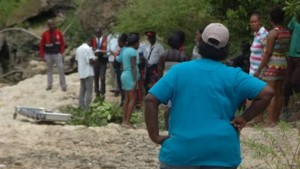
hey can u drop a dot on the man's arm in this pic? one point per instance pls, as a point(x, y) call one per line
point(42, 45)
point(151, 118)
point(258, 105)
point(62, 43)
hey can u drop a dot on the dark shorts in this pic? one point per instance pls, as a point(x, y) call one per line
point(166, 166)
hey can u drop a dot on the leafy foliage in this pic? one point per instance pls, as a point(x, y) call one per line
point(235, 15)
point(75, 35)
point(292, 8)
point(164, 17)
point(7, 8)
point(100, 113)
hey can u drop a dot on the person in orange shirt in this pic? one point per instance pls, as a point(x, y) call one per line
point(99, 45)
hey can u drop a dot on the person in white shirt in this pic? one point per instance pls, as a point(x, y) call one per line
point(85, 58)
point(154, 52)
point(112, 48)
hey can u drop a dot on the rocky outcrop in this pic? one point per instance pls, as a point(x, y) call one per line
point(99, 13)
point(34, 8)
point(24, 42)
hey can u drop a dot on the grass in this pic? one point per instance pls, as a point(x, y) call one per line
point(278, 149)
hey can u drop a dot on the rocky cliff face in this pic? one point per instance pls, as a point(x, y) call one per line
point(33, 14)
point(37, 8)
point(99, 13)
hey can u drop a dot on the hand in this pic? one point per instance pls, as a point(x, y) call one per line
point(91, 61)
point(239, 123)
point(135, 85)
point(160, 139)
point(257, 74)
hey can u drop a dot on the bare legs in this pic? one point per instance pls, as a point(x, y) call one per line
point(275, 106)
point(276, 103)
point(260, 118)
point(128, 107)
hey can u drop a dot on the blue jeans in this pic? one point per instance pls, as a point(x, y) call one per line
point(166, 166)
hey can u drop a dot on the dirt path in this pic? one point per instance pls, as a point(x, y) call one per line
point(24, 144)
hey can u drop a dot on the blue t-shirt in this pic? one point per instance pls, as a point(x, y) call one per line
point(205, 95)
point(125, 56)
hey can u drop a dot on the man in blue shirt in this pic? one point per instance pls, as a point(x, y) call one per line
point(205, 94)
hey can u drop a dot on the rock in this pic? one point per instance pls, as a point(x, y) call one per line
point(33, 8)
point(35, 67)
point(100, 13)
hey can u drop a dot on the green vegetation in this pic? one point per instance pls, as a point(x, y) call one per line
point(166, 16)
point(75, 34)
point(14, 10)
point(7, 8)
point(235, 15)
point(292, 8)
point(278, 149)
point(100, 113)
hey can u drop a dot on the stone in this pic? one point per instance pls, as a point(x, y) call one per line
point(100, 13)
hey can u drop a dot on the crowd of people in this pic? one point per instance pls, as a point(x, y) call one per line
point(201, 94)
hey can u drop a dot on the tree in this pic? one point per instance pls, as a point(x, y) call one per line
point(163, 16)
point(236, 13)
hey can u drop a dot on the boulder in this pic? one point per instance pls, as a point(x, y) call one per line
point(99, 13)
point(34, 8)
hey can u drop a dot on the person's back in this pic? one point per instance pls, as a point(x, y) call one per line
point(205, 94)
point(242, 60)
point(83, 55)
point(125, 57)
point(282, 43)
point(171, 56)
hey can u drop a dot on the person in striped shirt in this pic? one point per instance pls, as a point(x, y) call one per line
point(256, 49)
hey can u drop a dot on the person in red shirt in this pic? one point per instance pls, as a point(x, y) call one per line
point(51, 49)
point(99, 45)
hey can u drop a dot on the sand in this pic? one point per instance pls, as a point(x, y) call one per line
point(25, 144)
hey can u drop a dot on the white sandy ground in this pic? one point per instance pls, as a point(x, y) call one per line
point(25, 144)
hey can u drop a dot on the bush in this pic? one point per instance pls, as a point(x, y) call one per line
point(163, 17)
point(100, 113)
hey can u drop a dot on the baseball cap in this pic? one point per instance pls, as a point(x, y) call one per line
point(216, 35)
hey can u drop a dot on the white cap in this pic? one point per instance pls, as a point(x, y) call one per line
point(218, 32)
